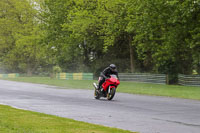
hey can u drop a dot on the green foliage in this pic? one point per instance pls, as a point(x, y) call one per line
point(21, 46)
point(85, 36)
point(57, 69)
point(163, 34)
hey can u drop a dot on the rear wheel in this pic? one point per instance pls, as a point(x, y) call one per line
point(96, 94)
point(111, 94)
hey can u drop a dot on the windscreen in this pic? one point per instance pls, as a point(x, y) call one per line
point(114, 76)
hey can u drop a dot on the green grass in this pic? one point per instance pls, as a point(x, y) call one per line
point(20, 121)
point(126, 87)
point(177, 91)
point(75, 84)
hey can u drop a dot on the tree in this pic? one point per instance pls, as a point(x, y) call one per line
point(156, 35)
point(21, 48)
point(115, 14)
point(163, 28)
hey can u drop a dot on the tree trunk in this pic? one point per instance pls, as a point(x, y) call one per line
point(29, 72)
point(31, 68)
point(132, 60)
point(86, 53)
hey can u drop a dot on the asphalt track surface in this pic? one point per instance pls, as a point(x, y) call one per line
point(146, 114)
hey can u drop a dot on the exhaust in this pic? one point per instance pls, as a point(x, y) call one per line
point(95, 85)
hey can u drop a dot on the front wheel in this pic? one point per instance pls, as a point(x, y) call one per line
point(111, 93)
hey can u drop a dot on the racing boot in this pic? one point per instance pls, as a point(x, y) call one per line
point(99, 88)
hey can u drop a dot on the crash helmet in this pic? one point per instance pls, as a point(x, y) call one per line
point(112, 66)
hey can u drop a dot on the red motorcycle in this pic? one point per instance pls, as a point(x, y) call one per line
point(108, 88)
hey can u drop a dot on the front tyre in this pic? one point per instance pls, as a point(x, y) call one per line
point(111, 93)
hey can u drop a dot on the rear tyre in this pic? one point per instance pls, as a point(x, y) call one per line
point(111, 94)
point(96, 94)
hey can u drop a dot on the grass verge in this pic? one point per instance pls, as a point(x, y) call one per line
point(177, 91)
point(20, 121)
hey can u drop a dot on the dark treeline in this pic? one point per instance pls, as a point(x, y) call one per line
point(151, 36)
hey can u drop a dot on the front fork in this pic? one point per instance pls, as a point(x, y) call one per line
point(109, 89)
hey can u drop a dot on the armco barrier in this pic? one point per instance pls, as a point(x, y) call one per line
point(3, 75)
point(87, 76)
point(75, 76)
point(143, 77)
point(189, 80)
point(11, 75)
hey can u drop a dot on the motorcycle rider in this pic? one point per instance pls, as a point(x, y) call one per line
point(111, 69)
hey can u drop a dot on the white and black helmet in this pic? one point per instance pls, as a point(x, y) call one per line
point(112, 66)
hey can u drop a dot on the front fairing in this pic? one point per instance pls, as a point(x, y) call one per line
point(112, 81)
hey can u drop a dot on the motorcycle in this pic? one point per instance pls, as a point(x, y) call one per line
point(108, 88)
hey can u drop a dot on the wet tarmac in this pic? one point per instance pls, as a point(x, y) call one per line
point(145, 114)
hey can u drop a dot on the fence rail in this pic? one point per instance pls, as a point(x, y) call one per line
point(143, 77)
point(75, 76)
point(10, 75)
point(189, 80)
